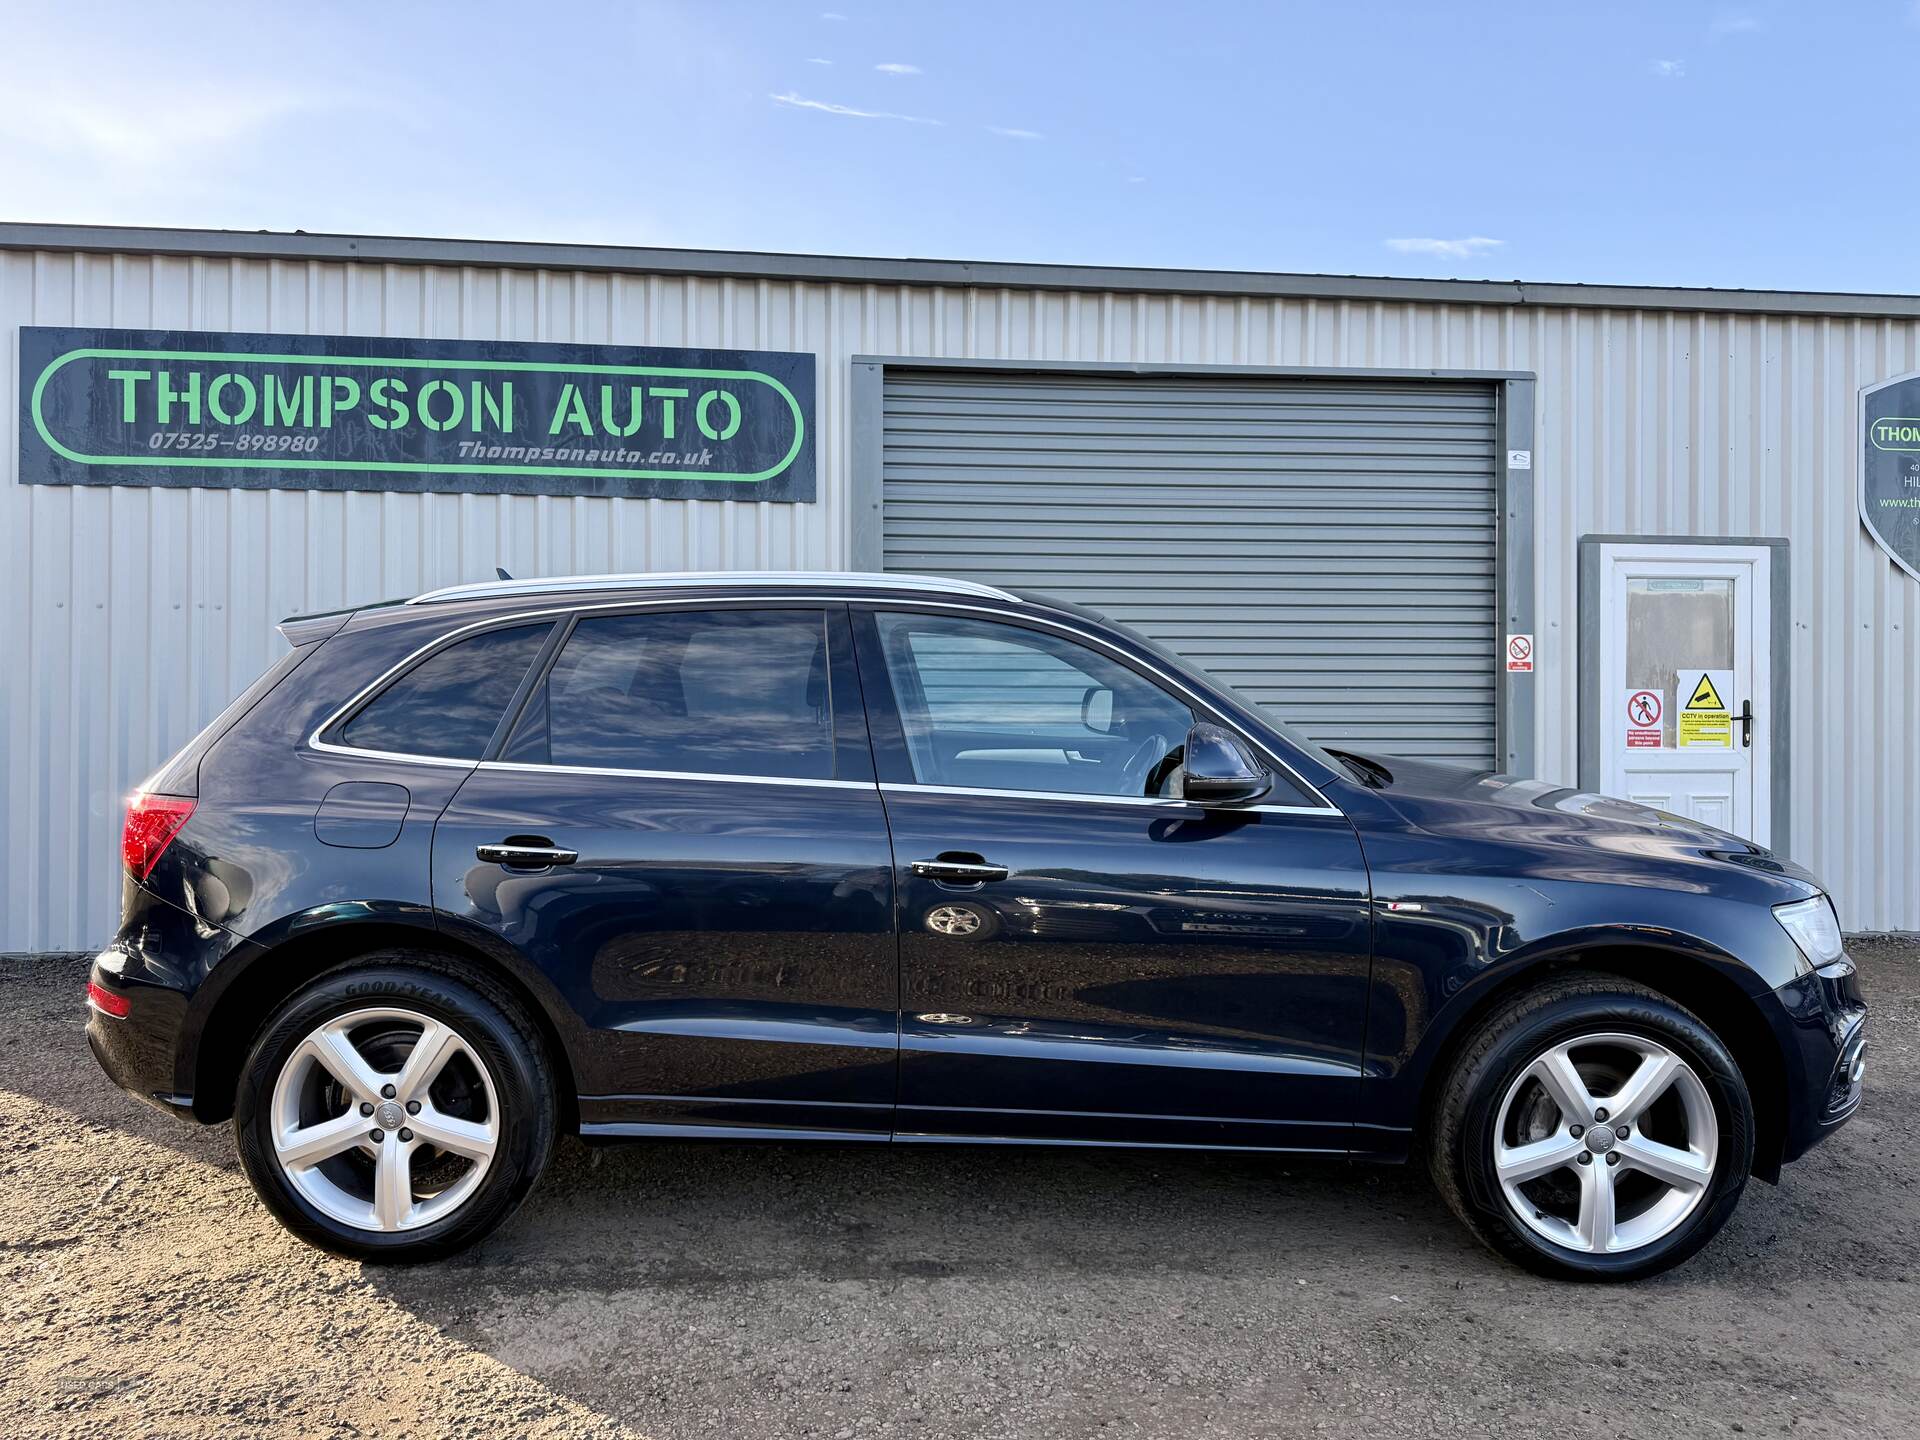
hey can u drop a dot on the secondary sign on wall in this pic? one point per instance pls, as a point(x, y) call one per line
point(1890, 468)
point(190, 408)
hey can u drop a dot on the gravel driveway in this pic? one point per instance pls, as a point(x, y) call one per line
point(702, 1289)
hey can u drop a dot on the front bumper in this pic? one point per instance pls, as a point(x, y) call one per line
point(1823, 1020)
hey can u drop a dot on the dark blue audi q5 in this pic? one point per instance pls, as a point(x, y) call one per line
point(882, 858)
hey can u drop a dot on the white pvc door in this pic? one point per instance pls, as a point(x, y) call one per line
point(1685, 681)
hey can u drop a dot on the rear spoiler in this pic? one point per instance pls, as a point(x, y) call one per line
point(304, 630)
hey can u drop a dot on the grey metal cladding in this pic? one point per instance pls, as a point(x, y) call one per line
point(1325, 546)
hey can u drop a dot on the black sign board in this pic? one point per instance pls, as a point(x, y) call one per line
point(1890, 468)
point(323, 412)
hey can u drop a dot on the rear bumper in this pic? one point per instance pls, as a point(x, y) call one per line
point(139, 1051)
point(1824, 1034)
point(155, 965)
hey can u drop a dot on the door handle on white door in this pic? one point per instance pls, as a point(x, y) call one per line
point(1745, 721)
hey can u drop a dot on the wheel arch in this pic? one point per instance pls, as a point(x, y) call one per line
point(275, 972)
point(1703, 988)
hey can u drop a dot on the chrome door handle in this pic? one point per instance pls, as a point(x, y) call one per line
point(525, 856)
point(958, 872)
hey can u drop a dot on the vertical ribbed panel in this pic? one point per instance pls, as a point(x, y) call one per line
point(135, 614)
point(1324, 546)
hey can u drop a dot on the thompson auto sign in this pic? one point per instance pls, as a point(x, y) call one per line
point(178, 408)
point(1890, 468)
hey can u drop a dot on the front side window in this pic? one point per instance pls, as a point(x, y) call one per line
point(723, 692)
point(449, 704)
point(1000, 707)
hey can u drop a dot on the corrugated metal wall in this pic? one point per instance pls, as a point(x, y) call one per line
point(135, 614)
point(1324, 546)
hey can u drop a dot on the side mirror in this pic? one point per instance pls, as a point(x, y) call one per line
point(1219, 769)
point(1096, 709)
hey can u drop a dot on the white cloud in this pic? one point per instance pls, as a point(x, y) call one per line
point(1463, 249)
point(1668, 69)
point(1136, 179)
point(828, 107)
point(1008, 132)
point(816, 60)
point(1728, 22)
point(831, 15)
point(894, 67)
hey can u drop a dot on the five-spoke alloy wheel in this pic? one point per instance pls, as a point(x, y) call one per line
point(395, 1111)
point(385, 1149)
point(1594, 1129)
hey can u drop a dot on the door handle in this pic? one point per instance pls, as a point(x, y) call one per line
point(1745, 723)
point(529, 857)
point(959, 872)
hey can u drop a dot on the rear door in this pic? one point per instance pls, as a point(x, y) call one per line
point(683, 831)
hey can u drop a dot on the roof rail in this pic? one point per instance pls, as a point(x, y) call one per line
point(666, 580)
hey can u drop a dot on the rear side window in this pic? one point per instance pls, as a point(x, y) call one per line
point(726, 692)
point(449, 704)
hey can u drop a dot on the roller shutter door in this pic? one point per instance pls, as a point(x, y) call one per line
point(1325, 546)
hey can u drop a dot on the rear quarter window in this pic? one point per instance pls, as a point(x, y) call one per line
point(449, 704)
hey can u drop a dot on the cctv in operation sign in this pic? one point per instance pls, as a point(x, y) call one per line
point(1890, 468)
point(250, 411)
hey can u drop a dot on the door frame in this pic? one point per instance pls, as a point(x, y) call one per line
point(1779, 719)
point(1515, 725)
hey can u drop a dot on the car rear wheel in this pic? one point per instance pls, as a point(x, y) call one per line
point(1593, 1129)
point(394, 1111)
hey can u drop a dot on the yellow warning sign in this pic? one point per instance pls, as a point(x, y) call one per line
point(1705, 697)
point(1706, 723)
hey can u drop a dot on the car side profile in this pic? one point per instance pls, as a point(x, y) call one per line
point(881, 858)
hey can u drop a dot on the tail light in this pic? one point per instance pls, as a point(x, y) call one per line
point(152, 822)
point(106, 1002)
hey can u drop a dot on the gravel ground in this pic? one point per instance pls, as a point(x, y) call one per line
point(699, 1289)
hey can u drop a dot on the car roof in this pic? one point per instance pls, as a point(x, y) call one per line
point(709, 579)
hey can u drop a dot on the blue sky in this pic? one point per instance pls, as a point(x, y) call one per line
point(1629, 141)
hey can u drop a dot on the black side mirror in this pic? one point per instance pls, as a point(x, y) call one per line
point(1220, 770)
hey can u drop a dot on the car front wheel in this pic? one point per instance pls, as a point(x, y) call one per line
point(394, 1110)
point(1593, 1129)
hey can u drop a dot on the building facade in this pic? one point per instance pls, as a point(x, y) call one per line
point(1610, 538)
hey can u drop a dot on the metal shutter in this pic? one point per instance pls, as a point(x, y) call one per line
point(1325, 546)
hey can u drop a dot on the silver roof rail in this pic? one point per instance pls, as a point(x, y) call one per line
point(662, 580)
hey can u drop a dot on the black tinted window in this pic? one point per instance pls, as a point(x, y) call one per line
point(726, 692)
point(449, 704)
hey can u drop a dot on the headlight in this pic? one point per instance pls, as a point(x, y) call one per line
point(1814, 928)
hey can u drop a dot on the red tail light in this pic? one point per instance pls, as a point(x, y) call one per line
point(106, 1002)
point(152, 822)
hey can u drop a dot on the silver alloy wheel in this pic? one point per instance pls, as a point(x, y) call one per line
point(314, 1152)
point(1598, 1139)
point(953, 920)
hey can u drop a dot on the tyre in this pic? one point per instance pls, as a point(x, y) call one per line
point(395, 1109)
point(1593, 1129)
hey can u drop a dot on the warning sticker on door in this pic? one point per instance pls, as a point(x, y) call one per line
point(1643, 711)
point(1519, 652)
point(1706, 720)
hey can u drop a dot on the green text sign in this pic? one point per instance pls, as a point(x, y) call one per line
point(173, 408)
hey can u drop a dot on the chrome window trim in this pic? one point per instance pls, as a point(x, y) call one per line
point(1157, 802)
point(665, 579)
point(521, 765)
point(776, 601)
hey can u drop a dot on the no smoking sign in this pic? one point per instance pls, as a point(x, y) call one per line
point(1519, 652)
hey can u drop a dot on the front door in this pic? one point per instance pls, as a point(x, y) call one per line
point(1685, 687)
point(1084, 956)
